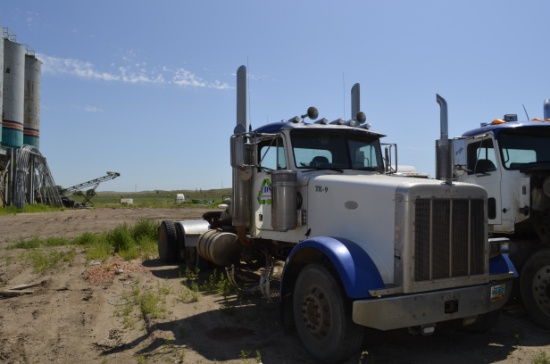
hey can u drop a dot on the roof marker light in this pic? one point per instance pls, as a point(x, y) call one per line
point(339, 121)
point(498, 121)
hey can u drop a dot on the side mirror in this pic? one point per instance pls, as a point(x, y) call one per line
point(459, 159)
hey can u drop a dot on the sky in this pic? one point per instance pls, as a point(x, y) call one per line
point(147, 88)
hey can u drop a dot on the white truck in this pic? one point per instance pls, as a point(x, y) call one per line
point(361, 248)
point(511, 160)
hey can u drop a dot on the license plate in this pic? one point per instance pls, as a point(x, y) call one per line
point(498, 292)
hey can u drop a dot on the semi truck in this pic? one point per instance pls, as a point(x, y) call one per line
point(511, 160)
point(361, 247)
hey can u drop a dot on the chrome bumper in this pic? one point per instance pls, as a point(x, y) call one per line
point(389, 313)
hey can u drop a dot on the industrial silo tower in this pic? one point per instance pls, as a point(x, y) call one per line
point(24, 174)
point(14, 94)
point(31, 115)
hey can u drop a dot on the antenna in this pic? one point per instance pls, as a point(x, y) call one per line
point(524, 109)
point(248, 91)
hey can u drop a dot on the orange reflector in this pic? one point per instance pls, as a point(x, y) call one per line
point(498, 121)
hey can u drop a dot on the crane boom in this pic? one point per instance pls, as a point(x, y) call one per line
point(96, 182)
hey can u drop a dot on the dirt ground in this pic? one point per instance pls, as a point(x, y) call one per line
point(65, 318)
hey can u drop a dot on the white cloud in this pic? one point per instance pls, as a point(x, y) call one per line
point(136, 74)
point(92, 109)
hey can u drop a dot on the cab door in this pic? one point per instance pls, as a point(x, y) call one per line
point(270, 155)
point(484, 168)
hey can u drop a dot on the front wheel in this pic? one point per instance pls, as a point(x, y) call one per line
point(535, 287)
point(323, 316)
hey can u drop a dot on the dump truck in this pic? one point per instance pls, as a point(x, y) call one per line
point(361, 247)
point(511, 160)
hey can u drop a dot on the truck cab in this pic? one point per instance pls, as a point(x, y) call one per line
point(510, 159)
point(361, 247)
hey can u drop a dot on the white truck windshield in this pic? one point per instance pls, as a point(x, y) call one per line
point(525, 147)
point(332, 149)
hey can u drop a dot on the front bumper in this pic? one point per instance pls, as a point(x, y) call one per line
point(396, 312)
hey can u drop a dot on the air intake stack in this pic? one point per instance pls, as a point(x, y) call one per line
point(240, 206)
point(443, 155)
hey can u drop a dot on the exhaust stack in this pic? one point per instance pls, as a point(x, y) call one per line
point(547, 109)
point(443, 156)
point(355, 100)
point(240, 205)
point(241, 96)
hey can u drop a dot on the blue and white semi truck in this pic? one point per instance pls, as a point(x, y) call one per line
point(361, 248)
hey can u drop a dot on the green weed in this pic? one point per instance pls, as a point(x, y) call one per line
point(541, 358)
point(86, 239)
point(120, 238)
point(42, 261)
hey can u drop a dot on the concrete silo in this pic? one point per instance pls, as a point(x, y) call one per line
point(1, 78)
point(14, 94)
point(31, 125)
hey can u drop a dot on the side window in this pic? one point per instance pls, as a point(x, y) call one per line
point(272, 154)
point(363, 155)
point(482, 157)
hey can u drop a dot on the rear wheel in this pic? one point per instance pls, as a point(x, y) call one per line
point(167, 242)
point(323, 316)
point(535, 287)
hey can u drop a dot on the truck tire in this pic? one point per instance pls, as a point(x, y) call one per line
point(535, 287)
point(167, 242)
point(323, 316)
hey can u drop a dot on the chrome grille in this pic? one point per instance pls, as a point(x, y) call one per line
point(449, 238)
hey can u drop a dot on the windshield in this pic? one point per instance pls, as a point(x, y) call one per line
point(524, 147)
point(332, 149)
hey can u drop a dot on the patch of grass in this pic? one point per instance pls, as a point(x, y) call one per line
point(12, 210)
point(42, 261)
point(101, 250)
point(56, 241)
point(120, 238)
point(186, 295)
point(218, 283)
point(31, 243)
point(86, 238)
point(132, 252)
point(541, 358)
point(130, 242)
point(150, 304)
point(144, 229)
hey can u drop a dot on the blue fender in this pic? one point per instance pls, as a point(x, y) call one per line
point(354, 266)
point(502, 264)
